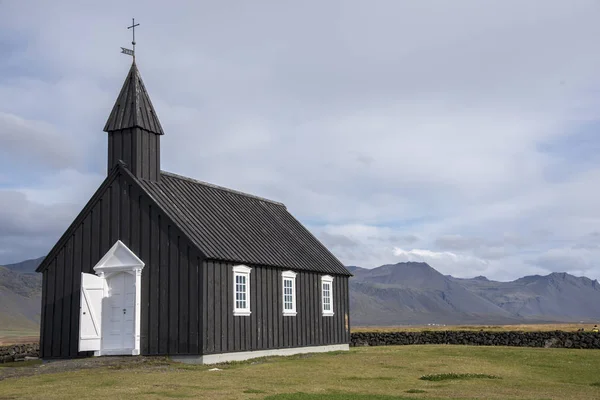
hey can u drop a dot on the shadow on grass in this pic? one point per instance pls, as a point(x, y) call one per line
point(453, 376)
point(250, 391)
point(17, 364)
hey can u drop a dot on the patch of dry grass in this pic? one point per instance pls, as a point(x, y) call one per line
point(361, 373)
point(18, 336)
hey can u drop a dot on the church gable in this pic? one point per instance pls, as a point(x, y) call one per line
point(119, 210)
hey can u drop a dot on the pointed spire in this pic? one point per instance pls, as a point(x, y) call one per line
point(133, 107)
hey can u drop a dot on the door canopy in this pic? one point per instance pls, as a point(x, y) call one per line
point(95, 292)
point(118, 259)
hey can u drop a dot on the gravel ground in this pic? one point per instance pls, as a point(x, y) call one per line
point(29, 369)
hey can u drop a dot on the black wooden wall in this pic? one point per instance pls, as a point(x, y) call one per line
point(139, 149)
point(266, 327)
point(171, 289)
point(186, 301)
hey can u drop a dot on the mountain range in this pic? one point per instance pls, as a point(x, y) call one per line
point(414, 294)
point(409, 293)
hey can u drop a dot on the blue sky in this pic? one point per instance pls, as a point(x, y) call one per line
point(456, 134)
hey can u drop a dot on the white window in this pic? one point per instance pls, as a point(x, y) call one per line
point(241, 290)
point(289, 292)
point(327, 295)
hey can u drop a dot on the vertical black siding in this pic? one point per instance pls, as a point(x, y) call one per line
point(266, 327)
point(59, 293)
point(139, 149)
point(171, 289)
point(48, 306)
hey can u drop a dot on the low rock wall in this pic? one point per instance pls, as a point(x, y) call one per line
point(561, 339)
point(556, 339)
point(18, 352)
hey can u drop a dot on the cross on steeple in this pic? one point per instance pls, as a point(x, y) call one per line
point(132, 27)
point(127, 51)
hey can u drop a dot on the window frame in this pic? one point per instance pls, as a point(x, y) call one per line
point(327, 279)
point(243, 271)
point(289, 276)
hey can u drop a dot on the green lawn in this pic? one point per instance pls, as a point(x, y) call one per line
point(391, 372)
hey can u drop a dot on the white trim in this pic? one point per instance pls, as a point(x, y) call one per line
point(118, 259)
point(121, 259)
point(246, 355)
point(244, 271)
point(288, 275)
point(327, 279)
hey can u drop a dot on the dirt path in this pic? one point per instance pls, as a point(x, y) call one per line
point(16, 371)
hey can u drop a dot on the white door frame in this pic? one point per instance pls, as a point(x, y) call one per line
point(121, 259)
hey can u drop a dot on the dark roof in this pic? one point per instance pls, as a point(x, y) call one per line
point(233, 226)
point(133, 107)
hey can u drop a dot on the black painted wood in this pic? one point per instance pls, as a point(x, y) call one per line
point(133, 107)
point(138, 149)
point(122, 211)
point(43, 308)
point(266, 327)
point(232, 226)
point(67, 260)
point(58, 311)
point(48, 305)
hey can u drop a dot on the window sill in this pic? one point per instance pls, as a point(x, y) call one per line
point(290, 314)
point(328, 314)
point(241, 313)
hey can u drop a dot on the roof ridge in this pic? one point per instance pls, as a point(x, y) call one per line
point(212, 185)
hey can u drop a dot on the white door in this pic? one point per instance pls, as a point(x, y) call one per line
point(119, 322)
point(90, 312)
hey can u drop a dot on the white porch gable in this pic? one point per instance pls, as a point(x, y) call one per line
point(119, 258)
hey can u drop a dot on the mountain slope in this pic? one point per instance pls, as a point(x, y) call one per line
point(27, 266)
point(415, 293)
point(20, 300)
point(558, 296)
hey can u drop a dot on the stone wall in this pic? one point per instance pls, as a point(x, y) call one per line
point(574, 340)
point(18, 352)
point(557, 339)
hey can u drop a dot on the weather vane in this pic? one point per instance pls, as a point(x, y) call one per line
point(127, 51)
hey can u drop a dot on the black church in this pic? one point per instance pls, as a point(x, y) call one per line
point(162, 264)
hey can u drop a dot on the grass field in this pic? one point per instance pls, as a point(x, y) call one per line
point(390, 372)
point(495, 328)
point(18, 336)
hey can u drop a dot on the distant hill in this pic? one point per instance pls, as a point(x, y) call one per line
point(27, 266)
point(20, 300)
point(558, 296)
point(415, 293)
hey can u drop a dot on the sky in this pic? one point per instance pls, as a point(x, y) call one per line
point(465, 134)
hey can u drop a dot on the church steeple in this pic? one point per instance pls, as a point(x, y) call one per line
point(134, 129)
